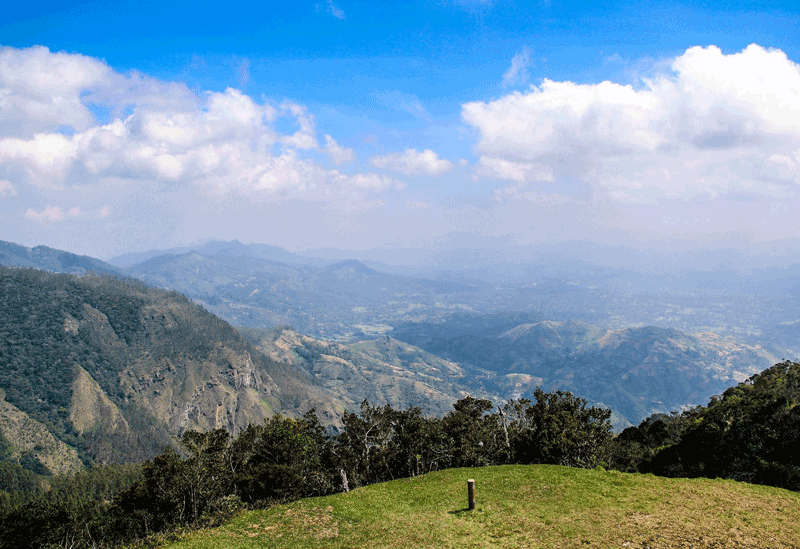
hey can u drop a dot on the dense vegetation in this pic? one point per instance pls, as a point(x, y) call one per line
point(39, 356)
point(135, 342)
point(749, 433)
point(210, 475)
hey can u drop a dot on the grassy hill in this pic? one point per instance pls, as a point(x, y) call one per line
point(524, 506)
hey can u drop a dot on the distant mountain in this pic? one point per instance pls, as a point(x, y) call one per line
point(226, 248)
point(633, 371)
point(347, 300)
point(49, 259)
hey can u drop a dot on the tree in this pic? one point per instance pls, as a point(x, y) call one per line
point(559, 429)
point(283, 459)
point(476, 439)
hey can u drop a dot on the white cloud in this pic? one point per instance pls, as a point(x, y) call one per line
point(220, 142)
point(714, 124)
point(414, 205)
point(7, 189)
point(338, 13)
point(338, 154)
point(412, 162)
point(517, 73)
point(499, 168)
point(304, 137)
point(51, 214)
point(372, 182)
point(104, 212)
point(46, 157)
point(40, 90)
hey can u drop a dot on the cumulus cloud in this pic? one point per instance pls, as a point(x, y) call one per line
point(373, 182)
point(51, 214)
point(518, 73)
point(499, 168)
point(413, 162)
point(40, 90)
point(222, 142)
point(712, 124)
point(304, 137)
point(338, 154)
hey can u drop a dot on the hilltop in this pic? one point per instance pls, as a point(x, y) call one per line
point(524, 506)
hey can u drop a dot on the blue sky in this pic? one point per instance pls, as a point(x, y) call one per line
point(390, 126)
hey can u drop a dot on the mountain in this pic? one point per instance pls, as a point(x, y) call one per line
point(114, 368)
point(107, 369)
point(229, 248)
point(345, 301)
point(634, 371)
point(49, 259)
point(382, 370)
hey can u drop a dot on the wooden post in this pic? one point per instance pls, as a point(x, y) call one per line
point(471, 493)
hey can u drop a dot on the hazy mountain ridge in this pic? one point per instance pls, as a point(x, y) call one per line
point(232, 248)
point(634, 371)
point(49, 259)
point(345, 300)
point(350, 300)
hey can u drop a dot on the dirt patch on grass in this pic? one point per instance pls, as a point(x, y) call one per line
point(723, 516)
point(313, 522)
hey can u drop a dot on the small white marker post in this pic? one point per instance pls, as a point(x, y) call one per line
point(471, 493)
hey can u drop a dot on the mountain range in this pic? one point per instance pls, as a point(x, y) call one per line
point(107, 367)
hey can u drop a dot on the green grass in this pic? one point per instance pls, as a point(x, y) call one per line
point(524, 506)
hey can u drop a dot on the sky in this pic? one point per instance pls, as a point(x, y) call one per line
point(384, 127)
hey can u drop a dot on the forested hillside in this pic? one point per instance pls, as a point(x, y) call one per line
point(749, 433)
point(113, 369)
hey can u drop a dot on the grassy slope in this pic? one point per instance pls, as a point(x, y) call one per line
point(524, 506)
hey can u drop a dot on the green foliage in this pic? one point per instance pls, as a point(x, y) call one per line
point(475, 437)
point(559, 429)
point(751, 433)
point(283, 459)
point(72, 512)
